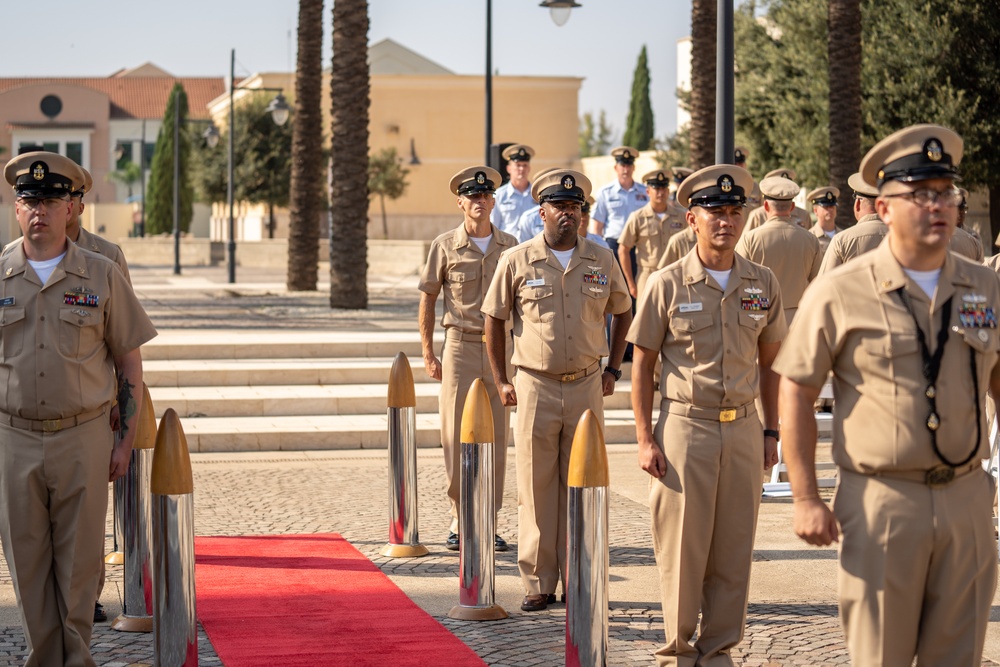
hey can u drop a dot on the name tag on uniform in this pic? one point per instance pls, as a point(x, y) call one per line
point(537, 282)
point(690, 307)
point(9, 301)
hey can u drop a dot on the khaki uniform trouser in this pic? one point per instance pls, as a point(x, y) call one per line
point(547, 414)
point(461, 363)
point(53, 503)
point(918, 568)
point(704, 515)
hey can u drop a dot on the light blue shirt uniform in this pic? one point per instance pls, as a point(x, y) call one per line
point(614, 204)
point(529, 225)
point(510, 205)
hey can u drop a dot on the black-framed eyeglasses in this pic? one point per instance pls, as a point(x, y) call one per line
point(926, 197)
point(35, 203)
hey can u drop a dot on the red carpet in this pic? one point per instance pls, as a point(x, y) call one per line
point(312, 600)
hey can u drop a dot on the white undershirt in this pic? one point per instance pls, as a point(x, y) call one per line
point(927, 280)
point(563, 256)
point(829, 234)
point(45, 267)
point(660, 216)
point(721, 277)
point(482, 242)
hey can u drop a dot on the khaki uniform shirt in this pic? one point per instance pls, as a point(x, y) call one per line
point(678, 246)
point(456, 263)
point(859, 239)
point(558, 314)
point(93, 243)
point(792, 253)
point(820, 234)
point(58, 342)
point(852, 323)
point(993, 262)
point(967, 245)
point(758, 217)
point(648, 234)
point(708, 338)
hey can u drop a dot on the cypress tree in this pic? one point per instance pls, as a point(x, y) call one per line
point(639, 127)
point(160, 190)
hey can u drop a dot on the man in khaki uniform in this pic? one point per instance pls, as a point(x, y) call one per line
point(824, 205)
point(968, 245)
point(556, 289)
point(716, 321)
point(758, 216)
point(864, 236)
point(647, 230)
point(58, 348)
point(792, 253)
point(462, 262)
point(679, 245)
point(910, 333)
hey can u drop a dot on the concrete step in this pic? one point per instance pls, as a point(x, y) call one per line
point(227, 344)
point(305, 432)
point(253, 372)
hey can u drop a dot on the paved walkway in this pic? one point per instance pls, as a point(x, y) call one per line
point(792, 618)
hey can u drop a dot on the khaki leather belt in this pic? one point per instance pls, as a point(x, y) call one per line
point(711, 414)
point(50, 425)
point(566, 377)
point(455, 334)
point(937, 476)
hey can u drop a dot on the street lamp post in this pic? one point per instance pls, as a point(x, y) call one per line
point(725, 132)
point(278, 108)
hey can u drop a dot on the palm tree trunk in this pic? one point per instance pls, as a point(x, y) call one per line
point(349, 94)
point(385, 223)
point(844, 46)
point(704, 31)
point(307, 151)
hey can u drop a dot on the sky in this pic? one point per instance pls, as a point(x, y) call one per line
point(600, 42)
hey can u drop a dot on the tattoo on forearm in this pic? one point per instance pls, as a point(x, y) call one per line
point(126, 403)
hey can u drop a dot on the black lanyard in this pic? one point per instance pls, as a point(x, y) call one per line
point(931, 370)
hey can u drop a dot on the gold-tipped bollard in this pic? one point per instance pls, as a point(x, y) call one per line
point(175, 625)
point(476, 512)
point(137, 540)
point(404, 533)
point(587, 549)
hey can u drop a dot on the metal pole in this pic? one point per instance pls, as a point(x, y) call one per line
point(725, 133)
point(489, 79)
point(177, 187)
point(229, 190)
point(137, 614)
point(477, 514)
point(142, 181)
point(587, 547)
point(175, 625)
point(404, 532)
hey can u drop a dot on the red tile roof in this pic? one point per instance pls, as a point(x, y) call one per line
point(137, 96)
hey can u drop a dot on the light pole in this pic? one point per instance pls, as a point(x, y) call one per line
point(279, 110)
point(725, 132)
point(559, 10)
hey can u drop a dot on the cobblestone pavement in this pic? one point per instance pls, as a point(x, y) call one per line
point(275, 494)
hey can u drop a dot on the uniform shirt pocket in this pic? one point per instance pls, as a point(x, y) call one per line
point(889, 359)
point(690, 329)
point(595, 297)
point(79, 333)
point(11, 331)
point(462, 285)
point(538, 303)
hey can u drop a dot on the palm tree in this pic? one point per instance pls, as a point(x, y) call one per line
point(844, 48)
point(704, 30)
point(349, 86)
point(307, 151)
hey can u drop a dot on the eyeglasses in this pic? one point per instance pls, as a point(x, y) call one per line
point(35, 203)
point(926, 197)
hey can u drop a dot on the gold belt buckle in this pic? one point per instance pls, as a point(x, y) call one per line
point(939, 476)
point(728, 415)
point(51, 425)
point(569, 377)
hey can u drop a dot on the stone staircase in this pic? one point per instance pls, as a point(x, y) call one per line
point(244, 390)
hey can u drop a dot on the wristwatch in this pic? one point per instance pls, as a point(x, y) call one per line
point(614, 371)
point(773, 433)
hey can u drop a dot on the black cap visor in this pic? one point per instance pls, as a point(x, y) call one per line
point(712, 197)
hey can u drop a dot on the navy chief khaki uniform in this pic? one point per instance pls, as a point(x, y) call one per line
point(704, 509)
point(918, 561)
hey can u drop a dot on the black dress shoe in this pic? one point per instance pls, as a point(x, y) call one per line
point(99, 614)
point(451, 544)
point(499, 544)
point(552, 598)
point(535, 602)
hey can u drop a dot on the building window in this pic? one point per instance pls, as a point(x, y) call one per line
point(123, 149)
point(74, 151)
point(148, 154)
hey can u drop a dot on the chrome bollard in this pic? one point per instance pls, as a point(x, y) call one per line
point(587, 548)
point(404, 533)
point(117, 556)
point(175, 625)
point(137, 615)
point(476, 512)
